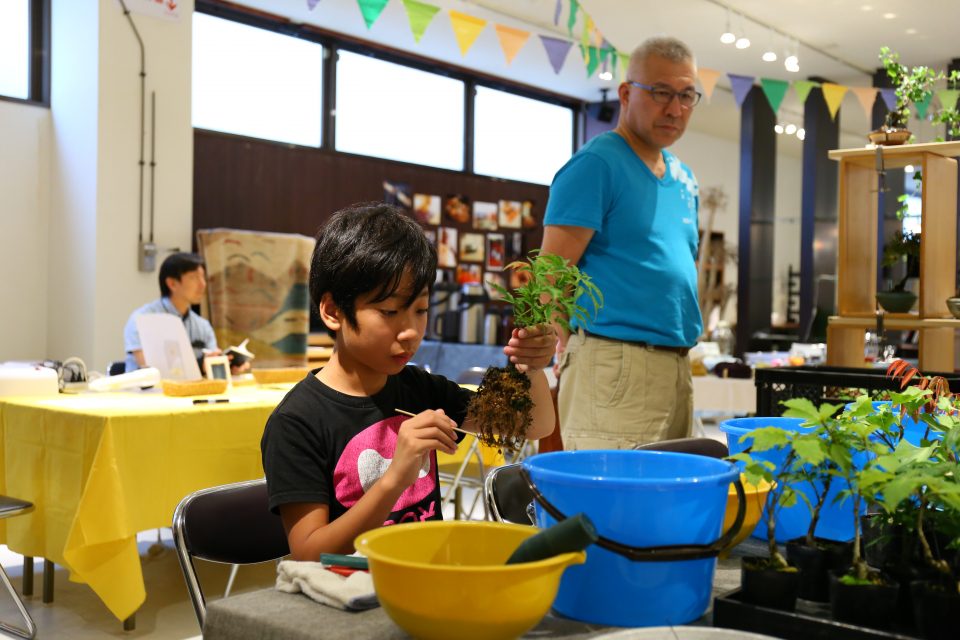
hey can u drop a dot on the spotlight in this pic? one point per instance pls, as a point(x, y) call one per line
point(801, 133)
point(791, 63)
point(790, 129)
point(606, 75)
point(908, 168)
point(778, 128)
point(769, 56)
point(728, 37)
point(743, 42)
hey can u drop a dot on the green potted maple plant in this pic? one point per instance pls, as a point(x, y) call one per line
point(902, 248)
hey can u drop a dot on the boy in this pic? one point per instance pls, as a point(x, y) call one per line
point(338, 458)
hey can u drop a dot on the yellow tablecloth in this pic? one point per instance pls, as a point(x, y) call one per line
point(102, 467)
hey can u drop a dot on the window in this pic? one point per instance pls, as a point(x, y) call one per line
point(255, 82)
point(15, 48)
point(520, 138)
point(400, 113)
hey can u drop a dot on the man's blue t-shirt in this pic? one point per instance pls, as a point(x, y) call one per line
point(642, 254)
point(199, 331)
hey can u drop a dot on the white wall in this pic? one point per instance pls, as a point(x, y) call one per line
point(24, 167)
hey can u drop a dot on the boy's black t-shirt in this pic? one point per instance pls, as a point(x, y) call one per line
point(323, 446)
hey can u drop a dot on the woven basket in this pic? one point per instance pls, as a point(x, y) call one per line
point(201, 387)
point(280, 375)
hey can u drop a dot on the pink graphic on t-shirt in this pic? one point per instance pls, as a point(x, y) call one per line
point(365, 459)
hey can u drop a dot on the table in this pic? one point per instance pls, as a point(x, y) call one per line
point(450, 359)
point(268, 614)
point(727, 396)
point(102, 467)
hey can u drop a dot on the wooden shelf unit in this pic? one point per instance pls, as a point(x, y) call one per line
point(857, 259)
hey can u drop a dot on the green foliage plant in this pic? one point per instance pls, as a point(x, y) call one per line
point(913, 85)
point(901, 247)
point(551, 293)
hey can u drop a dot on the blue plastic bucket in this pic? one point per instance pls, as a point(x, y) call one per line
point(637, 500)
point(836, 518)
point(913, 431)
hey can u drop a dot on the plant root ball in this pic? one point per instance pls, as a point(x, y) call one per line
point(502, 408)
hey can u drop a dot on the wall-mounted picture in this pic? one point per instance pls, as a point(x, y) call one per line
point(431, 235)
point(485, 216)
point(518, 278)
point(447, 247)
point(426, 208)
point(489, 279)
point(516, 246)
point(527, 221)
point(468, 274)
point(510, 214)
point(398, 193)
point(471, 247)
point(457, 208)
point(496, 252)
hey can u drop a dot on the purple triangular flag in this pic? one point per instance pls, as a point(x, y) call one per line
point(741, 86)
point(889, 98)
point(557, 50)
point(312, 3)
point(556, 12)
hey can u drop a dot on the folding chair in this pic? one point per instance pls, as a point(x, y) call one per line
point(466, 469)
point(697, 446)
point(10, 507)
point(230, 524)
point(508, 495)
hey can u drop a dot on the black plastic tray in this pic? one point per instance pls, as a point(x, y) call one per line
point(810, 621)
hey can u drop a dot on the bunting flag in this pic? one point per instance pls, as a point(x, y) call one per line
point(923, 105)
point(867, 96)
point(802, 89)
point(311, 4)
point(948, 98)
point(557, 51)
point(624, 64)
point(572, 18)
point(466, 29)
point(708, 80)
point(591, 58)
point(774, 90)
point(371, 10)
point(889, 98)
point(585, 33)
point(556, 13)
point(741, 86)
point(833, 95)
point(420, 14)
point(511, 40)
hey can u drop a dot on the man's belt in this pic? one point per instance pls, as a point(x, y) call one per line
point(680, 351)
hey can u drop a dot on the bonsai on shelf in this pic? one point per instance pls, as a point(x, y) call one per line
point(902, 248)
point(911, 85)
point(552, 291)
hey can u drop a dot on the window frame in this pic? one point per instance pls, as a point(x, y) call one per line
point(38, 81)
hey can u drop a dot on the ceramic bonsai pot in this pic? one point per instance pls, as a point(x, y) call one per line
point(896, 301)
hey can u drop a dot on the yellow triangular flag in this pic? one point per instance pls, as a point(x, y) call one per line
point(511, 40)
point(833, 95)
point(867, 96)
point(466, 29)
point(708, 80)
point(624, 64)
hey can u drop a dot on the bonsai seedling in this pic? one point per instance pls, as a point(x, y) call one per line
point(552, 293)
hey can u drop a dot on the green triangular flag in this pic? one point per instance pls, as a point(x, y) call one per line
point(591, 57)
point(802, 89)
point(774, 90)
point(419, 14)
point(371, 10)
point(923, 105)
point(572, 18)
point(624, 64)
point(948, 97)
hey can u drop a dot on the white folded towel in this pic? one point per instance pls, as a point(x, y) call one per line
point(353, 592)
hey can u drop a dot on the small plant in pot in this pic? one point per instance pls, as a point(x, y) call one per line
point(815, 557)
point(552, 292)
point(902, 248)
point(770, 581)
point(911, 85)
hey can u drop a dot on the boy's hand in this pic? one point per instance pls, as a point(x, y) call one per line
point(427, 431)
point(532, 348)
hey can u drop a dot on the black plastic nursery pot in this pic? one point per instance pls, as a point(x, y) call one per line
point(881, 541)
point(865, 605)
point(935, 610)
point(769, 588)
point(815, 564)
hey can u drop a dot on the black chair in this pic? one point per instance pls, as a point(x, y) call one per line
point(231, 524)
point(116, 367)
point(508, 496)
point(10, 507)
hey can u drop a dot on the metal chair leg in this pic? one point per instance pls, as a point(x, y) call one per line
point(27, 576)
point(233, 576)
point(130, 623)
point(31, 630)
point(47, 581)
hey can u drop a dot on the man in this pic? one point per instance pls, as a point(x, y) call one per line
point(183, 282)
point(625, 211)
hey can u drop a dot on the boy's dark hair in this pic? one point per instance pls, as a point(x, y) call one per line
point(367, 248)
point(175, 266)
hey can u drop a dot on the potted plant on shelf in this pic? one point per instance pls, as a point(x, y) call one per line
point(911, 85)
point(902, 248)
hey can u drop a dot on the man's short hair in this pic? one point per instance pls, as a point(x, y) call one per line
point(666, 47)
point(368, 248)
point(175, 266)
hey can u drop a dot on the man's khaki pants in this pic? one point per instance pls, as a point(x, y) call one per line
point(617, 395)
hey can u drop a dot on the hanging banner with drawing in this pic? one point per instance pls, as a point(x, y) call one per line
point(169, 9)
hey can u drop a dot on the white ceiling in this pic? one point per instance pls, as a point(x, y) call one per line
point(838, 40)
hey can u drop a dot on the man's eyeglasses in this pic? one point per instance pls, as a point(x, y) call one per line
point(661, 95)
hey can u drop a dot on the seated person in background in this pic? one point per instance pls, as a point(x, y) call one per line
point(338, 458)
point(183, 282)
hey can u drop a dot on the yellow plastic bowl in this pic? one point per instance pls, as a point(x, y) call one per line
point(448, 579)
point(756, 497)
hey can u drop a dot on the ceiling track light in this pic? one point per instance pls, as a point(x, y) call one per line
point(728, 36)
point(743, 42)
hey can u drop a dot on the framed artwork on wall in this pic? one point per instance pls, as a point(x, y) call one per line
point(485, 216)
point(398, 193)
point(471, 247)
point(510, 214)
point(426, 208)
point(468, 273)
point(447, 247)
point(457, 208)
point(496, 252)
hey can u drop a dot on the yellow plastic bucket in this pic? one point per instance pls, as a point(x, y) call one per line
point(448, 579)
